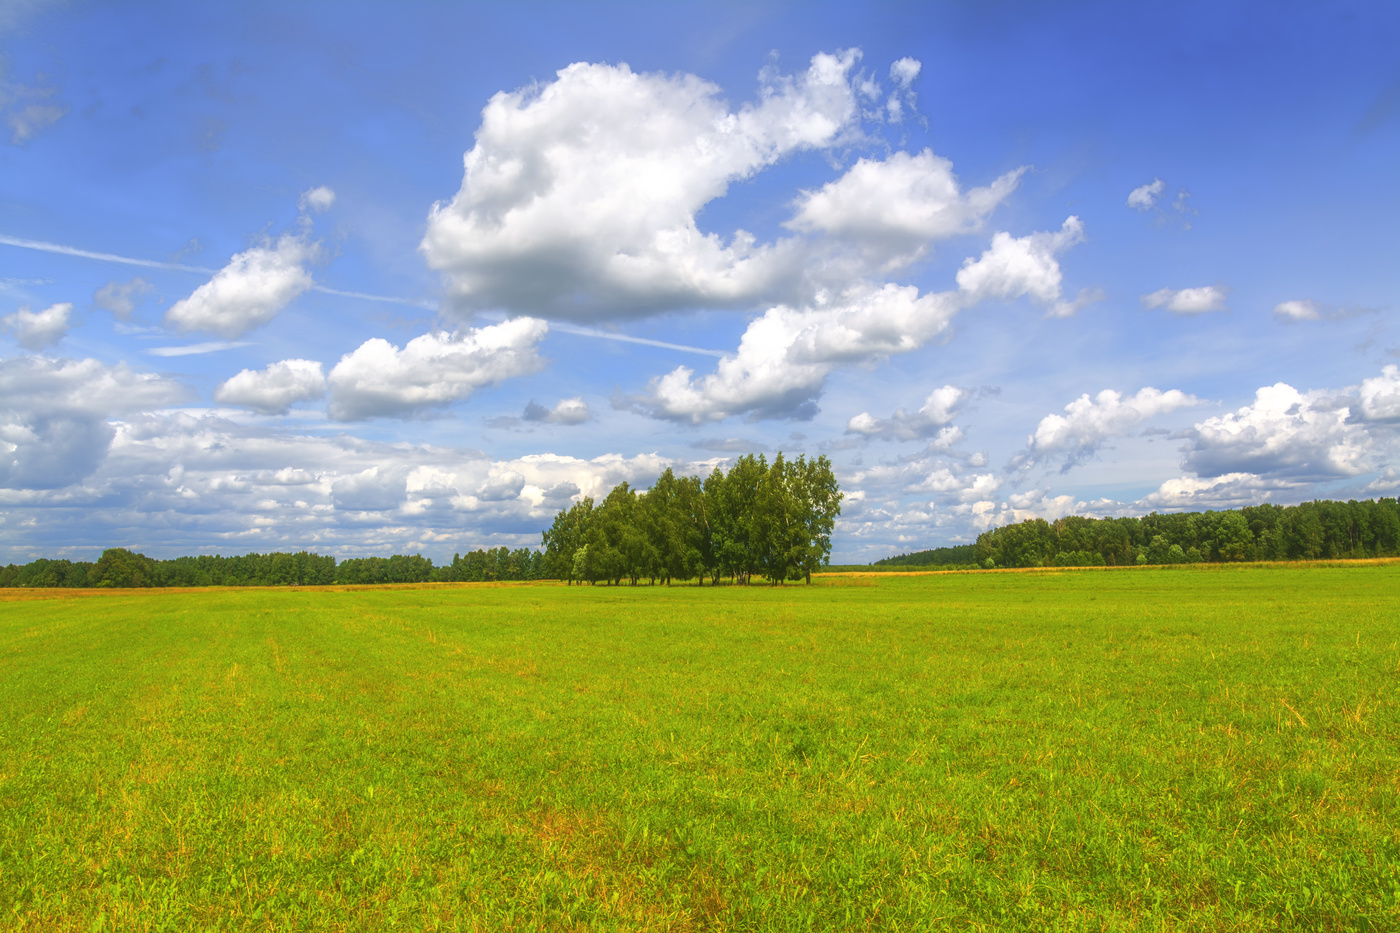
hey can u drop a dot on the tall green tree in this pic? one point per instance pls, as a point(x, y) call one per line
point(564, 538)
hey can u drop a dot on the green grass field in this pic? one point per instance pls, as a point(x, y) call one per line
point(1190, 748)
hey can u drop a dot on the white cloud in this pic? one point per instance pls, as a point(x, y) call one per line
point(378, 379)
point(199, 349)
point(274, 389)
point(1227, 491)
point(580, 195)
point(120, 297)
point(375, 489)
point(567, 411)
point(1380, 395)
point(35, 330)
point(1017, 266)
point(53, 416)
point(900, 203)
point(249, 292)
point(1290, 312)
point(1285, 441)
point(220, 485)
point(1201, 300)
point(319, 199)
point(931, 420)
point(1145, 196)
point(785, 356)
point(1022, 507)
point(1086, 297)
point(904, 71)
point(1298, 311)
point(29, 110)
point(1088, 422)
point(1284, 433)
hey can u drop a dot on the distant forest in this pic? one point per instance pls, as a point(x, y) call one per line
point(119, 567)
point(1320, 530)
point(959, 555)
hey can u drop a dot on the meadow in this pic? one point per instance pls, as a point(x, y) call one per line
point(1208, 747)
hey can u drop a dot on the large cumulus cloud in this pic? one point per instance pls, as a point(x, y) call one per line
point(580, 196)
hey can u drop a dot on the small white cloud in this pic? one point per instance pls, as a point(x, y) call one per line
point(1203, 300)
point(30, 110)
point(1087, 296)
point(1088, 422)
point(1145, 196)
point(931, 420)
point(35, 330)
point(274, 389)
point(199, 349)
point(900, 203)
point(1291, 312)
point(1298, 311)
point(378, 379)
point(1017, 266)
point(567, 411)
point(120, 297)
point(904, 71)
point(1227, 491)
point(319, 199)
point(249, 292)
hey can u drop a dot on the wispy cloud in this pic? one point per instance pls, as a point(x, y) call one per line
point(627, 338)
point(44, 246)
point(196, 349)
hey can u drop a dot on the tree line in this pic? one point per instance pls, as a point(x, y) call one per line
point(119, 567)
point(772, 520)
point(957, 557)
point(1318, 530)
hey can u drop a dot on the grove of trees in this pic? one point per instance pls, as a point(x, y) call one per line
point(759, 519)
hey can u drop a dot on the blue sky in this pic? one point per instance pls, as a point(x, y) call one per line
point(410, 278)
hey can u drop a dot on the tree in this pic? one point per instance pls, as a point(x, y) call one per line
point(565, 537)
point(118, 567)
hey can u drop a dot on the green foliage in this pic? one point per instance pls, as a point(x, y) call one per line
point(935, 557)
point(492, 565)
point(276, 569)
point(772, 520)
point(119, 567)
point(1310, 531)
point(564, 543)
point(1186, 748)
point(400, 568)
